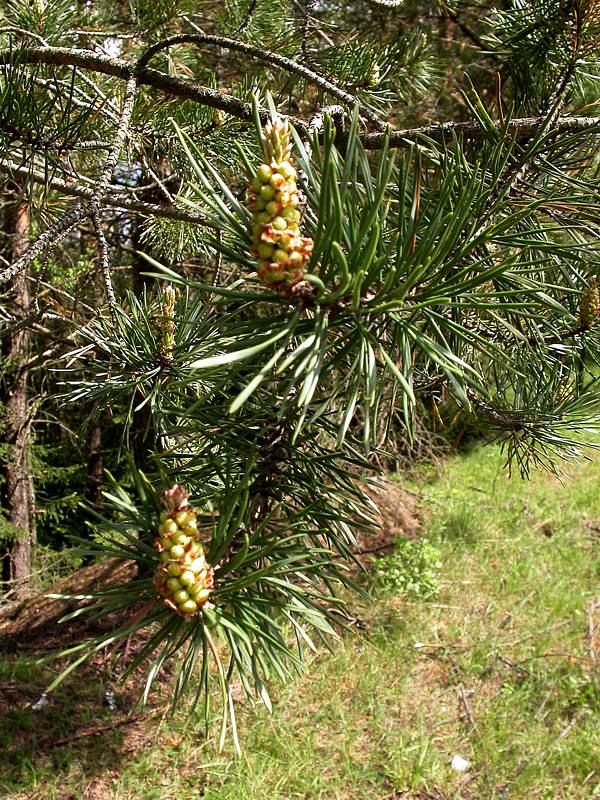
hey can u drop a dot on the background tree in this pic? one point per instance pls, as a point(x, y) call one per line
point(453, 261)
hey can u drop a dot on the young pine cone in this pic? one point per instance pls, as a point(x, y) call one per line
point(589, 305)
point(183, 577)
point(282, 253)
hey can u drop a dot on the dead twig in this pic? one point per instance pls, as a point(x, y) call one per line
point(96, 730)
point(467, 707)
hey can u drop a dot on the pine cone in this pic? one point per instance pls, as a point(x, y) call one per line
point(589, 305)
point(282, 253)
point(183, 577)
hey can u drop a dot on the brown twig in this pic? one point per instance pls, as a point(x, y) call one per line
point(114, 200)
point(467, 707)
point(95, 730)
point(466, 31)
point(270, 58)
point(51, 237)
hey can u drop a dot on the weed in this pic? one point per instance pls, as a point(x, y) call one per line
point(411, 570)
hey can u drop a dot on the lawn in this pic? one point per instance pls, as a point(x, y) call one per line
point(498, 668)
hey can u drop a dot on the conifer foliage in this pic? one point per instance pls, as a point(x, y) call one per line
point(311, 222)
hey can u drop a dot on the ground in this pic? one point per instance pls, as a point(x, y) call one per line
point(500, 668)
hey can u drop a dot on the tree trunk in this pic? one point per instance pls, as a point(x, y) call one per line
point(17, 487)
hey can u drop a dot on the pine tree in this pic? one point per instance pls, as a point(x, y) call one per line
point(343, 208)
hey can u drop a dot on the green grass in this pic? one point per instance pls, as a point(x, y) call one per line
point(495, 668)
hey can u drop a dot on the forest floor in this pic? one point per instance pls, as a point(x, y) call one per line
point(487, 690)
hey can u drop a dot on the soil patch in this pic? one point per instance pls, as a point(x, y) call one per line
point(395, 517)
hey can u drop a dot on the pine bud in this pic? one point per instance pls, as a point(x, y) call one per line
point(374, 75)
point(167, 322)
point(274, 199)
point(183, 577)
point(589, 305)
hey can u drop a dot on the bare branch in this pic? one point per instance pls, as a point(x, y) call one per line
point(520, 128)
point(270, 58)
point(104, 260)
point(50, 238)
point(108, 169)
point(113, 199)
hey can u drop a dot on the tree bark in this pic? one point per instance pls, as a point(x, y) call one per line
point(17, 487)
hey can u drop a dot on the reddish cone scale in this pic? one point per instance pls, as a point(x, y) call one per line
point(282, 253)
point(183, 577)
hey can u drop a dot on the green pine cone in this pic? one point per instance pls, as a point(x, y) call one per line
point(183, 577)
point(273, 196)
point(589, 305)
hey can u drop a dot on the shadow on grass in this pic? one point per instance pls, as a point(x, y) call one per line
point(73, 729)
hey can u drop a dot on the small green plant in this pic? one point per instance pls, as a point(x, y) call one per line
point(412, 569)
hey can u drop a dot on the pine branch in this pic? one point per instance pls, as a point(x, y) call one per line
point(101, 187)
point(270, 58)
point(517, 172)
point(23, 32)
point(57, 232)
point(501, 419)
point(520, 128)
point(247, 17)
point(112, 200)
point(122, 131)
point(189, 90)
point(121, 68)
point(104, 259)
point(50, 238)
point(317, 123)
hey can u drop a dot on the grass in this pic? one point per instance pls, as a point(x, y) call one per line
point(496, 668)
